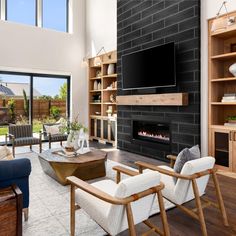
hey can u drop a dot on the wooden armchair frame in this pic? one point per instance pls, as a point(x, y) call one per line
point(77, 183)
point(197, 212)
point(12, 138)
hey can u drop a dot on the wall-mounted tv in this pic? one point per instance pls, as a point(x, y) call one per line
point(150, 68)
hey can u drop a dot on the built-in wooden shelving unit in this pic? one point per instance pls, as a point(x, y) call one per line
point(222, 134)
point(102, 97)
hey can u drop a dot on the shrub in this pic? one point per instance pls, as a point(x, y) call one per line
point(55, 112)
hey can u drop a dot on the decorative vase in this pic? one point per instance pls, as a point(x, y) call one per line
point(72, 140)
point(111, 69)
point(95, 85)
point(232, 69)
point(99, 86)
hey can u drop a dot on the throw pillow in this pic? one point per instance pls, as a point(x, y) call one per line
point(52, 129)
point(186, 155)
point(5, 153)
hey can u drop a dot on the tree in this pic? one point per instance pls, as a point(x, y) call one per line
point(63, 91)
point(26, 103)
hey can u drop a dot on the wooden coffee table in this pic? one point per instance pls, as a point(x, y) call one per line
point(86, 166)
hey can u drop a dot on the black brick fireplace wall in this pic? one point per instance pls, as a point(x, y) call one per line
point(147, 23)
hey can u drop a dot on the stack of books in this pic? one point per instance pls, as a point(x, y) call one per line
point(229, 97)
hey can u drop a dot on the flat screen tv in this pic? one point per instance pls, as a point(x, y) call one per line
point(150, 68)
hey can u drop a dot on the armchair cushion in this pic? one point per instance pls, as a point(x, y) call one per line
point(16, 172)
point(20, 131)
point(113, 217)
point(52, 129)
point(5, 153)
point(186, 155)
point(26, 141)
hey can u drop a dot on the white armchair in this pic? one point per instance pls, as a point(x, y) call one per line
point(117, 207)
point(188, 185)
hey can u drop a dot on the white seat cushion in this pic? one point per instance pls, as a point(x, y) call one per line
point(96, 208)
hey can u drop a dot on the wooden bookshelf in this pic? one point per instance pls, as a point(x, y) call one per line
point(222, 54)
point(101, 126)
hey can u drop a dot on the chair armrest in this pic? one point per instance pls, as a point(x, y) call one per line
point(74, 181)
point(120, 169)
point(172, 159)
point(10, 135)
point(143, 165)
point(94, 191)
point(16, 168)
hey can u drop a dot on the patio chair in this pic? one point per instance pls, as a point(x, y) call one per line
point(22, 135)
point(189, 184)
point(53, 136)
point(117, 207)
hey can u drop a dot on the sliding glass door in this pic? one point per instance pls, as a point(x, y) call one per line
point(50, 100)
point(32, 99)
point(14, 97)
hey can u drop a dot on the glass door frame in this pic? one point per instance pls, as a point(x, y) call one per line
point(31, 84)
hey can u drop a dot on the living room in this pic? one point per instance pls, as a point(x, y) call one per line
point(95, 91)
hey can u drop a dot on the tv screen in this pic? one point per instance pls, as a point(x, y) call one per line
point(150, 68)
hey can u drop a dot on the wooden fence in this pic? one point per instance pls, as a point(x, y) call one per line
point(41, 107)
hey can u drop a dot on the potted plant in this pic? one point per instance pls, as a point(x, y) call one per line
point(231, 119)
point(74, 129)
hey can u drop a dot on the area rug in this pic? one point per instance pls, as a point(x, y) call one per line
point(49, 211)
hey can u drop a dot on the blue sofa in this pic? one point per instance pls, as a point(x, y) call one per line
point(17, 172)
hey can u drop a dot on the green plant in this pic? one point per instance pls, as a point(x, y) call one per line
point(11, 104)
point(26, 103)
point(231, 118)
point(74, 125)
point(55, 112)
point(63, 91)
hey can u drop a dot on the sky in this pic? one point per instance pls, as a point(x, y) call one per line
point(23, 11)
point(54, 17)
point(46, 86)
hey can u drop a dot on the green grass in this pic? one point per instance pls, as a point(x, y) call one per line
point(36, 128)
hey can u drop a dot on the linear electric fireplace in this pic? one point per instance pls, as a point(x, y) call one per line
point(151, 133)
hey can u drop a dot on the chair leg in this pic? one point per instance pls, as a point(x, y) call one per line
point(220, 199)
point(31, 147)
point(163, 214)
point(40, 147)
point(130, 220)
point(26, 213)
point(61, 143)
point(49, 143)
point(13, 149)
point(199, 208)
point(72, 210)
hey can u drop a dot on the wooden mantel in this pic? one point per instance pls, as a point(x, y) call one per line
point(165, 99)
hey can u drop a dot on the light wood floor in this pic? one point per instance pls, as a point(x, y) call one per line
point(181, 224)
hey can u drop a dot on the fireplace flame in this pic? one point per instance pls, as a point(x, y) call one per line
point(155, 136)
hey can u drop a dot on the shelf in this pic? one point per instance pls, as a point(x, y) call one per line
point(221, 150)
point(109, 62)
point(96, 78)
point(109, 103)
point(224, 79)
point(107, 90)
point(110, 76)
point(223, 103)
point(103, 117)
point(95, 66)
point(94, 91)
point(223, 127)
point(95, 103)
point(225, 33)
point(165, 99)
point(224, 56)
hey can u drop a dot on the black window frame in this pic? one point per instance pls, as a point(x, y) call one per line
point(31, 77)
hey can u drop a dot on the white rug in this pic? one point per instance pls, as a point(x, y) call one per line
point(49, 205)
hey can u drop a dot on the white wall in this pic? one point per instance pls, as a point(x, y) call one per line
point(100, 26)
point(209, 8)
point(30, 49)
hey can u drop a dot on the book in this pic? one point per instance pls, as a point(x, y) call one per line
point(66, 154)
point(230, 95)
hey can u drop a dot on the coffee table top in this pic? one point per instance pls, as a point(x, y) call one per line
point(93, 155)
